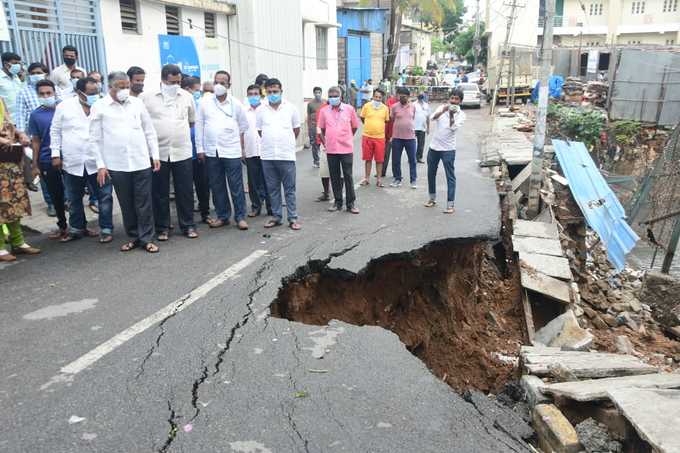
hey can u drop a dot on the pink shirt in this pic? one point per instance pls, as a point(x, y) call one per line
point(404, 121)
point(338, 123)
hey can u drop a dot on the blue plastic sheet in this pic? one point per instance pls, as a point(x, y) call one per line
point(555, 84)
point(600, 207)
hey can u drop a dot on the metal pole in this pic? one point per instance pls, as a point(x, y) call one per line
point(513, 57)
point(476, 43)
point(508, 32)
point(670, 251)
point(542, 111)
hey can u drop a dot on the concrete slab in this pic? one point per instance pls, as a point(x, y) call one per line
point(536, 245)
point(535, 229)
point(546, 285)
point(654, 413)
point(564, 332)
point(553, 266)
point(597, 389)
point(583, 365)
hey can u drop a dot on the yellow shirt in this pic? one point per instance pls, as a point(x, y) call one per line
point(374, 120)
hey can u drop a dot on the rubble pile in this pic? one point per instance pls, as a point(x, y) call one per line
point(596, 94)
point(573, 89)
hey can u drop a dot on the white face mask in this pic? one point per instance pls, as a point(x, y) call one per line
point(123, 95)
point(169, 90)
point(220, 90)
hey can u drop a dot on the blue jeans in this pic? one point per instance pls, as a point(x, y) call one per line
point(76, 189)
point(279, 173)
point(218, 168)
point(448, 158)
point(398, 145)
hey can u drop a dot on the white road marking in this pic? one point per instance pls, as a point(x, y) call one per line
point(177, 306)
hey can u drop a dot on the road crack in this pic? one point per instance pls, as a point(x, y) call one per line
point(172, 432)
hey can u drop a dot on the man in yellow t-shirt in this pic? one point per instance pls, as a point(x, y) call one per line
point(374, 115)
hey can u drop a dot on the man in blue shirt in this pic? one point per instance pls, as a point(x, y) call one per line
point(39, 124)
point(10, 83)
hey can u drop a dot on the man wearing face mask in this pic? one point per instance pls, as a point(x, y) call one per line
point(61, 75)
point(403, 137)
point(137, 77)
point(39, 125)
point(70, 90)
point(313, 106)
point(125, 146)
point(69, 143)
point(10, 83)
point(257, 189)
point(173, 113)
point(278, 123)
point(220, 125)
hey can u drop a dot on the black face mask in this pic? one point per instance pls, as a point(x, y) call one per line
point(70, 61)
point(137, 87)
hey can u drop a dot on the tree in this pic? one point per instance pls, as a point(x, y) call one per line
point(439, 45)
point(463, 44)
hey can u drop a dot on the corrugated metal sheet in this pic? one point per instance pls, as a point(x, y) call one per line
point(599, 204)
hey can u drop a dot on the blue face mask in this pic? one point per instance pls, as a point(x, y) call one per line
point(35, 78)
point(91, 99)
point(15, 68)
point(274, 98)
point(48, 102)
point(197, 95)
point(254, 100)
point(334, 101)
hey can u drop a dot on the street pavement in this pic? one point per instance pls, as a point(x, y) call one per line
point(131, 352)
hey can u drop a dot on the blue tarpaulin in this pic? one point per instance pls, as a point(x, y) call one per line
point(555, 84)
point(599, 205)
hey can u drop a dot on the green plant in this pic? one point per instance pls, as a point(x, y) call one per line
point(417, 71)
point(576, 124)
point(626, 131)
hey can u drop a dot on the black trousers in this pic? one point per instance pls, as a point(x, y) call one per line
point(202, 187)
point(388, 152)
point(55, 187)
point(182, 178)
point(420, 137)
point(133, 190)
point(340, 168)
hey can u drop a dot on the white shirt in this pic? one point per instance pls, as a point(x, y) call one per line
point(69, 137)
point(276, 125)
point(219, 126)
point(122, 137)
point(422, 112)
point(251, 138)
point(171, 117)
point(66, 93)
point(444, 137)
point(61, 76)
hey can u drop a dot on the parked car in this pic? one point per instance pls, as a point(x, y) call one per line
point(471, 95)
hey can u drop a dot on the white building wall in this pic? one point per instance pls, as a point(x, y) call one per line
point(316, 13)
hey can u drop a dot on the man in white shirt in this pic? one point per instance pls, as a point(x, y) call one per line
point(448, 118)
point(422, 123)
point(70, 90)
point(173, 113)
point(278, 123)
point(220, 125)
point(257, 189)
point(69, 137)
point(125, 145)
point(61, 75)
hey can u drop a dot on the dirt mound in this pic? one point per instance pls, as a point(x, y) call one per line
point(449, 303)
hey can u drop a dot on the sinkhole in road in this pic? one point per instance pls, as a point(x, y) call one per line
point(455, 304)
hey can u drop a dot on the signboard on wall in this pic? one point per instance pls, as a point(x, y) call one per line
point(180, 50)
point(593, 59)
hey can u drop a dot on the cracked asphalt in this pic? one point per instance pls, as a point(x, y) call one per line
point(220, 375)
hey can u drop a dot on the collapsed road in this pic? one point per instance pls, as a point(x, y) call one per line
point(378, 324)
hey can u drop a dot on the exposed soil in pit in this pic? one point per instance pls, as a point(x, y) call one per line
point(454, 304)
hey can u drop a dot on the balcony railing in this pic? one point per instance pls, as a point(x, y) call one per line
point(557, 21)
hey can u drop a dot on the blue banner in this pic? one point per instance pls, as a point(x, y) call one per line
point(180, 50)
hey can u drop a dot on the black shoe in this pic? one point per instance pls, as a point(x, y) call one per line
point(324, 197)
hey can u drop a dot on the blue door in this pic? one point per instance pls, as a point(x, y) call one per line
point(358, 59)
point(365, 58)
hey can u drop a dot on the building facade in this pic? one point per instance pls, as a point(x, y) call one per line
point(360, 44)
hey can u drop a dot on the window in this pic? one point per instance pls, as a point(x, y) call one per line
point(321, 48)
point(670, 42)
point(596, 9)
point(670, 6)
point(209, 20)
point(637, 8)
point(172, 19)
point(128, 15)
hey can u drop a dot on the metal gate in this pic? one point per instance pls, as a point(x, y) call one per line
point(40, 28)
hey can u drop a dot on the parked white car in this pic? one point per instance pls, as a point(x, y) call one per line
point(471, 95)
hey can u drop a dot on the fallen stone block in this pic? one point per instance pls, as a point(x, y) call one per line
point(535, 229)
point(548, 286)
point(564, 332)
point(554, 432)
point(597, 389)
point(583, 365)
point(553, 266)
point(532, 390)
point(542, 246)
point(623, 345)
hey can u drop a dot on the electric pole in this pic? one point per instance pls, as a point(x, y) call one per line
point(476, 43)
point(542, 111)
point(502, 56)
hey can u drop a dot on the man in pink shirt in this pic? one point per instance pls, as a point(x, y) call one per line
point(403, 137)
point(338, 123)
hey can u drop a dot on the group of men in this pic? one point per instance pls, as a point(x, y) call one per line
point(136, 141)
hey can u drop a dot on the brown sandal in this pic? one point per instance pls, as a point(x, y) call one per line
point(151, 247)
point(129, 246)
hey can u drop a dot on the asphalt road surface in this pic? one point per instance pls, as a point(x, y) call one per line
point(111, 352)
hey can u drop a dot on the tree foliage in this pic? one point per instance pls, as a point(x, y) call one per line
point(463, 43)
